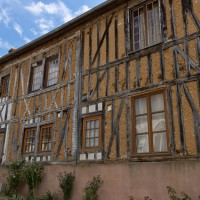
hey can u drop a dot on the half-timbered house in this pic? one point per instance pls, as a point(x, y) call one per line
point(119, 84)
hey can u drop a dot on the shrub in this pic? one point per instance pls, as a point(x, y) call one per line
point(17, 197)
point(15, 175)
point(48, 196)
point(33, 176)
point(92, 188)
point(66, 181)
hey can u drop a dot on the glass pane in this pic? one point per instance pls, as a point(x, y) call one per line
point(92, 142)
point(97, 133)
point(88, 134)
point(96, 142)
point(92, 133)
point(141, 124)
point(97, 123)
point(158, 122)
point(142, 143)
point(88, 125)
point(140, 106)
point(92, 124)
point(87, 143)
point(159, 142)
point(157, 103)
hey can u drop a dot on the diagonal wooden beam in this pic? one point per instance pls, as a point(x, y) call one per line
point(53, 99)
point(102, 40)
point(115, 127)
point(97, 84)
point(191, 62)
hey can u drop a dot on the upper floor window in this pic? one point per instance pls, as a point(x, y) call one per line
point(29, 140)
point(44, 75)
point(45, 138)
point(5, 85)
point(149, 123)
point(146, 27)
point(51, 71)
point(91, 132)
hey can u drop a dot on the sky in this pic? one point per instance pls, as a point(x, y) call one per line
point(22, 21)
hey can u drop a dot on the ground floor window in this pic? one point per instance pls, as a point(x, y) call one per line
point(29, 140)
point(149, 123)
point(91, 132)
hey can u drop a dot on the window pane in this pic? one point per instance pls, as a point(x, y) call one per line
point(97, 123)
point(140, 106)
point(158, 122)
point(157, 103)
point(142, 143)
point(141, 124)
point(96, 142)
point(92, 124)
point(87, 143)
point(92, 133)
point(159, 142)
point(92, 142)
point(88, 134)
point(88, 125)
point(97, 133)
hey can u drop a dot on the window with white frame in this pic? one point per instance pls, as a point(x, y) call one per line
point(146, 26)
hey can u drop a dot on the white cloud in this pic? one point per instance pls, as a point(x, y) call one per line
point(45, 25)
point(18, 28)
point(5, 44)
point(59, 9)
point(4, 16)
point(26, 39)
point(82, 10)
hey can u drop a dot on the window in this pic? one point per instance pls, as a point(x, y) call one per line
point(51, 71)
point(36, 76)
point(149, 123)
point(92, 132)
point(45, 138)
point(146, 28)
point(5, 85)
point(29, 140)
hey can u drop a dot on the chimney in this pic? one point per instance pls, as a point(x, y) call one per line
point(11, 50)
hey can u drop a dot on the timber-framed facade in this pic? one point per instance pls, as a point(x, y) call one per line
point(120, 82)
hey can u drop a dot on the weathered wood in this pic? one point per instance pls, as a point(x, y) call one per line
point(128, 127)
point(127, 31)
point(149, 69)
point(198, 49)
point(163, 20)
point(115, 127)
point(162, 65)
point(186, 57)
point(137, 72)
point(99, 55)
point(127, 75)
point(103, 125)
point(195, 115)
point(53, 135)
point(90, 63)
point(171, 120)
point(102, 40)
point(172, 19)
point(180, 119)
point(107, 60)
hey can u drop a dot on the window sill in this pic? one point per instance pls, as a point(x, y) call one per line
point(147, 155)
point(145, 48)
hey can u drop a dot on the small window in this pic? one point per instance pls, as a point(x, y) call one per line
point(149, 123)
point(5, 86)
point(29, 140)
point(146, 26)
point(45, 138)
point(51, 71)
point(92, 132)
point(36, 76)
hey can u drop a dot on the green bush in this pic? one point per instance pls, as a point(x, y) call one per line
point(66, 181)
point(16, 197)
point(48, 196)
point(92, 188)
point(15, 175)
point(33, 176)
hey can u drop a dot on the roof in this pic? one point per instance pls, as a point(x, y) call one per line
point(98, 10)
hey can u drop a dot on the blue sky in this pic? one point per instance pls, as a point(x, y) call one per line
point(22, 21)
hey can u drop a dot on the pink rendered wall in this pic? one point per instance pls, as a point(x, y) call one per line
point(124, 179)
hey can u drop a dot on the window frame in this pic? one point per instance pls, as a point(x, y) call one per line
point(7, 77)
point(24, 139)
point(40, 138)
point(148, 95)
point(46, 70)
point(84, 120)
point(146, 34)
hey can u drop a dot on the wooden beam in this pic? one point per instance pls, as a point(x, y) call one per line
point(149, 61)
point(128, 127)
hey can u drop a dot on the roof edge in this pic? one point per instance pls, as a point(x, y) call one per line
point(100, 9)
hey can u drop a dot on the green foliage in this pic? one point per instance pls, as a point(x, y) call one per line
point(173, 195)
point(92, 188)
point(16, 197)
point(66, 181)
point(15, 174)
point(33, 176)
point(48, 196)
